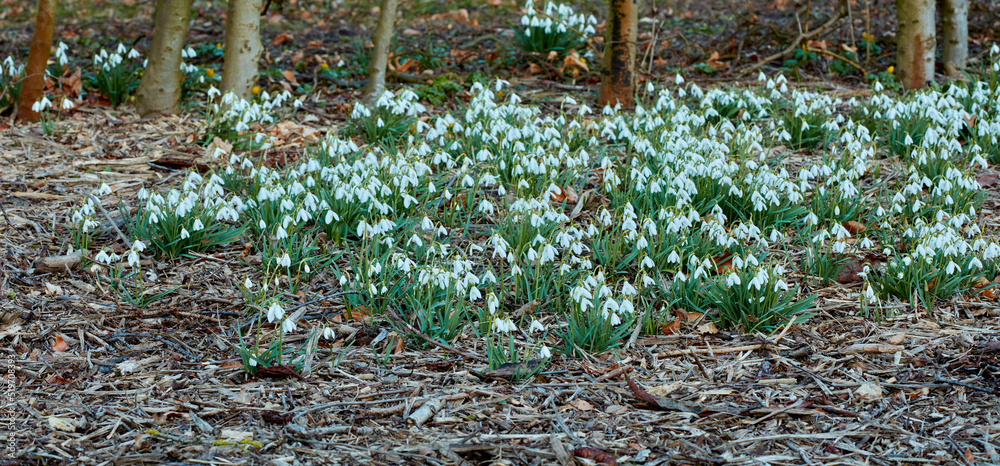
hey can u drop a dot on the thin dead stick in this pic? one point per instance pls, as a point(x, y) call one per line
point(97, 202)
point(444, 346)
point(784, 330)
point(838, 57)
point(615, 373)
point(738, 349)
point(416, 404)
point(795, 44)
point(4, 209)
point(966, 385)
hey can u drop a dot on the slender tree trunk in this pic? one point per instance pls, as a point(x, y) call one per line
point(38, 56)
point(160, 89)
point(618, 65)
point(955, 35)
point(380, 56)
point(915, 42)
point(243, 47)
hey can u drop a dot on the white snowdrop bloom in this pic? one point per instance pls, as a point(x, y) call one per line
point(952, 267)
point(281, 233)
point(103, 257)
point(647, 263)
point(329, 333)
point(536, 326)
point(275, 312)
point(67, 104)
point(646, 280)
point(138, 246)
point(285, 260)
point(544, 353)
point(248, 284)
point(615, 320)
point(732, 279)
point(133, 258)
point(504, 325)
point(197, 225)
point(185, 234)
point(288, 326)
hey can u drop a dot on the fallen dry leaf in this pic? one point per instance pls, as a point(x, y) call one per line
point(897, 339)
point(593, 454)
point(289, 75)
point(281, 38)
point(850, 272)
point(582, 405)
point(708, 328)
point(987, 180)
point(854, 227)
point(564, 194)
point(573, 60)
point(673, 328)
point(60, 345)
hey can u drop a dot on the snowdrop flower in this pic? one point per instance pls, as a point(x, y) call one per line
point(504, 325)
point(732, 279)
point(184, 233)
point(103, 257)
point(536, 326)
point(544, 353)
point(285, 261)
point(67, 104)
point(248, 284)
point(275, 312)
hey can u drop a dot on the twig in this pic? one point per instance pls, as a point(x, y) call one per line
point(738, 349)
point(2, 208)
point(114, 225)
point(156, 337)
point(966, 385)
point(444, 346)
point(838, 57)
point(795, 44)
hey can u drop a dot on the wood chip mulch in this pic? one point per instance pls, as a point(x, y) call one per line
point(91, 380)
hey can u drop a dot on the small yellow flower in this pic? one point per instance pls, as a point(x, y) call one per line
point(218, 45)
point(210, 72)
point(255, 90)
point(324, 66)
point(891, 69)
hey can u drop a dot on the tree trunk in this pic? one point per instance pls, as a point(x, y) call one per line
point(618, 65)
point(33, 84)
point(243, 47)
point(160, 89)
point(915, 42)
point(380, 56)
point(955, 33)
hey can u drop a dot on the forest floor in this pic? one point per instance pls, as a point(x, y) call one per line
point(96, 381)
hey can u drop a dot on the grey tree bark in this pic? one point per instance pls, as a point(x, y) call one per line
point(915, 42)
point(243, 47)
point(954, 35)
point(382, 39)
point(160, 89)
